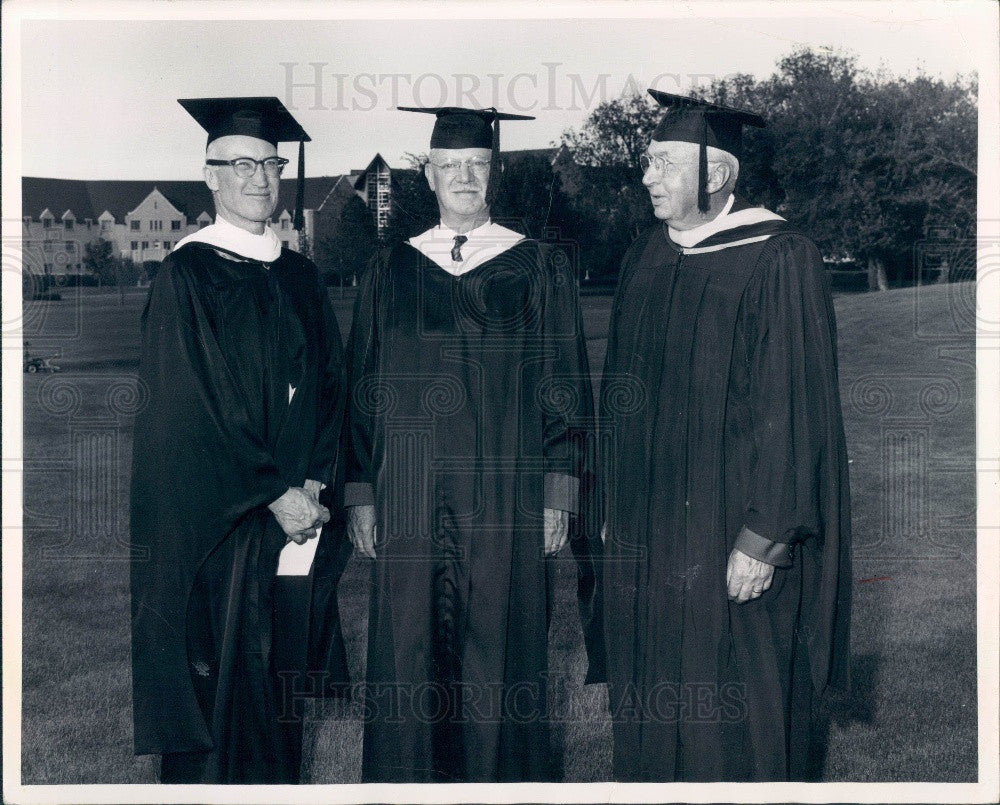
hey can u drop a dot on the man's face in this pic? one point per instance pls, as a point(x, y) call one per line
point(674, 189)
point(460, 193)
point(246, 203)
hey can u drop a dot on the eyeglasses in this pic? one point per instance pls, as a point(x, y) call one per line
point(453, 166)
point(246, 167)
point(658, 162)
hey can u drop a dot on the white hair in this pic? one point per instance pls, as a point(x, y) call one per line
point(717, 155)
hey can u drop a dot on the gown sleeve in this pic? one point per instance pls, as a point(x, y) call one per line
point(198, 420)
point(614, 363)
point(794, 399)
point(331, 395)
point(566, 396)
point(359, 420)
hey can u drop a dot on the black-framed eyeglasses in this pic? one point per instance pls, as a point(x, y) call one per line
point(245, 167)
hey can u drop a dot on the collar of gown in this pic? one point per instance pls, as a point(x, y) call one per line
point(265, 247)
point(484, 243)
point(726, 219)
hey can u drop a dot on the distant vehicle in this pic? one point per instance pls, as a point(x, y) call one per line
point(35, 363)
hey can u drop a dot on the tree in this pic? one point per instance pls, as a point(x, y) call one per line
point(347, 251)
point(414, 207)
point(111, 269)
point(529, 197)
point(615, 206)
point(99, 259)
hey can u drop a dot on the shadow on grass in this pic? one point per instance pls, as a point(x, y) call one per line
point(859, 705)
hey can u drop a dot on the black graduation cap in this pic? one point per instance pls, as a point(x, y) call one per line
point(264, 118)
point(692, 120)
point(456, 127)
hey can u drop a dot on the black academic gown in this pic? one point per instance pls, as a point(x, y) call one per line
point(470, 410)
point(222, 338)
point(721, 409)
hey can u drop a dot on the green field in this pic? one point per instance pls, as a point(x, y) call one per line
point(908, 385)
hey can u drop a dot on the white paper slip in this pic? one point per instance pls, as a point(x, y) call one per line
point(295, 559)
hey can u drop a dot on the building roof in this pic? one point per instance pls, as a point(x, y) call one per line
point(89, 198)
point(376, 163)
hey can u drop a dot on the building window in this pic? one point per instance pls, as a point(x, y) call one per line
point(135, 245)
point(68, 223)
point(46, 223)
point(105, 226)
point(202, 224)
point(145, 244)
point(155, 226)
point(284, 223)
point(134, 226)
point(70, 245)
point(166, 244)
point(175, 226)
point(47, 246)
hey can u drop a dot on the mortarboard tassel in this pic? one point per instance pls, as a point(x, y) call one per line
point(300, 191)
point(703, 167)
point(491, 187)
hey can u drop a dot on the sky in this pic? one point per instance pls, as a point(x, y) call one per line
point(98, 97)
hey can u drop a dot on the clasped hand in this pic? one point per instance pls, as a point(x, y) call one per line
point(299, 512)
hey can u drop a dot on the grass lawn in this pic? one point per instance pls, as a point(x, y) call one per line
point(907, 381)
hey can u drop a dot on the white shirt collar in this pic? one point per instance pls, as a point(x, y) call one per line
point(482, 243)
point(265, 247)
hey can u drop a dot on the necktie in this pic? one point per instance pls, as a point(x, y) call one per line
point(456, 250)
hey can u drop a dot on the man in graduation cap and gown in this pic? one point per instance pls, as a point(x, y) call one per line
point(468, 416)
point(232, 591)
point(727, 562)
